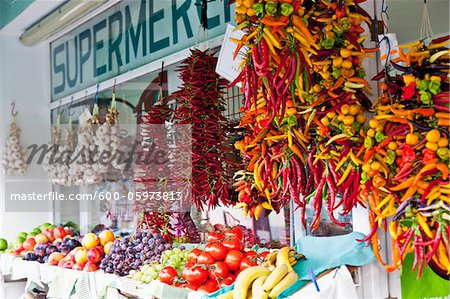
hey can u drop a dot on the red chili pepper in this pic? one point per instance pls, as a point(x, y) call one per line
point(317, 205)
point(331, 200)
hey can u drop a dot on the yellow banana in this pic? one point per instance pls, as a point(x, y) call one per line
point(275, 277)
point(286, 282)
point(246, 278)
point(271, 257)
point(227, 295)
point(257, 289)
point(283, 257)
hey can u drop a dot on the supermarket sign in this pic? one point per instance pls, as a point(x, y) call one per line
point(128, 35)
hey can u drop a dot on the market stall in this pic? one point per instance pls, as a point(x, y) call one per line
point(230, 149)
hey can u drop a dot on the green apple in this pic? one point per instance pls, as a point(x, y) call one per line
point(23, 235)
point(3, 244)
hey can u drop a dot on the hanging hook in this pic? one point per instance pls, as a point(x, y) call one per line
point(71, 113)
point(13, 108)
point(96, 94)
point(161, 74)
point(114, 86)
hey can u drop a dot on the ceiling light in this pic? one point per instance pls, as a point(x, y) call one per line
point(58, 19)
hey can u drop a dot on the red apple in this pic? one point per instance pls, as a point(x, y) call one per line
point(90, 267)
point(68, 231)
point(59, 232)
point(95, 255)
point(78, 267)
point(29, 244)
point(55, 257)
point(49, 233)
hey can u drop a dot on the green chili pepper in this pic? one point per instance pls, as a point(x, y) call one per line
point(423, 85)
point(286, 9)
point(292, 87)
point(364, 177)
point(292, 120)
point(361, 73)
point(345, 24)
point(271, 8)
point(305, 78)
point(336, 73)
point(258, 8)
point(434, 87)
point(328, 43)
point(443, 153)
point(368, 143)
point(379, 136)
point(390, 158)
point(425, 97)
point(297, 72)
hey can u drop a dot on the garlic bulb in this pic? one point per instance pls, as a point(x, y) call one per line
point(14, 156)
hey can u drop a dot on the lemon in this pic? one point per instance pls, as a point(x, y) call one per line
point(433, 136)
point(345, 109)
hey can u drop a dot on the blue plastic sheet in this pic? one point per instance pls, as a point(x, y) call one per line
point(323, 253)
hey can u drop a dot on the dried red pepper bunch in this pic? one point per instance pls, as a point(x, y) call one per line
point(200, 103)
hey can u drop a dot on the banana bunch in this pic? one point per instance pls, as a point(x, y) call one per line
point(269, 279)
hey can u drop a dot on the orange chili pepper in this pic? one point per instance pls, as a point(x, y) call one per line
point(359, 80)
point(338, 83)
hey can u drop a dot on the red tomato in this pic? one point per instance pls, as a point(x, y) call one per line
point(211, 282)
point(214, 237)
point(207, 288)
point(193, 255)
point(227, 281)
point(168, 275)
point(251, 254)
point(196, 275)
point(205, 259)
point(189, 286)
point(234, 232)
point(247, 262)
point(232, 243)
point(218, 251)
point(263, 254)
point(207, 247)
point(233, 259)
point(219, 270)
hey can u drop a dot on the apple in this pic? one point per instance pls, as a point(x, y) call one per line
point(49, 233)
point(106, 236)
point(66, 263)
point(29, 244)
point(107, 247)
point(55, 257)
point(17, 249)
point(68, 231)
point(78, 267)
point(41, 238)
point(59, 232)
point(95, 255)
point(81, 256)
point(89, 240)
point(90, 267)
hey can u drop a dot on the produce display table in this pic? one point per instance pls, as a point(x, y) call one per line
point(67, 283)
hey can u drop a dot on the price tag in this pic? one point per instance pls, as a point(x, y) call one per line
point(226, 66)
point(388, 47)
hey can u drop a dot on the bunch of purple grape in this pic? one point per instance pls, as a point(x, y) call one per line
point(130, 253)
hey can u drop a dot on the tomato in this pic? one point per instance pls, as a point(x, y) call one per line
point(168, 275)
point(251, 254)
point(211, 282)
point(233, 259)
point(207, 288)
point(207, 247)
point(190, 286)
point(234, 232)
point(205, 259)
point(232, 243)
point(247, 262)
point(263, 254)
point(193, 255)
point(218, 251)
point(227, 281)
point(196, 275)
point(219, 270)
point(214, 237)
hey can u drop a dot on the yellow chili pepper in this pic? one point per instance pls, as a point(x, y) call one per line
point(393, 229)
point(289, 136)
point(272, 38)
point(423, 224)
point(345, 175)
point(384, 201)
point(443, 257)
point(341, 162)
point(403, 185)
point(276, 137)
